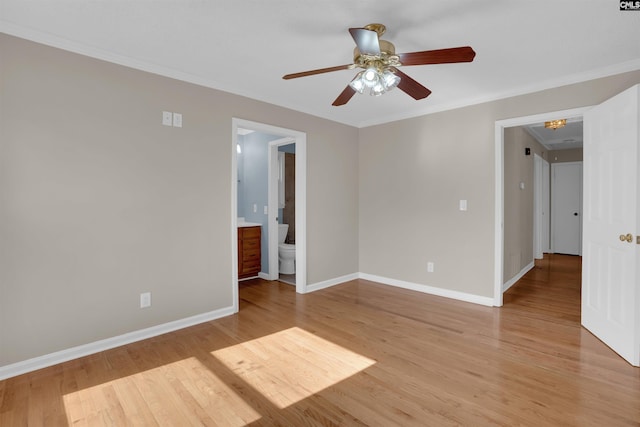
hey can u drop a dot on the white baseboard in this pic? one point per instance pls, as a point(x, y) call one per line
point(332, 282)
point(50, 359)
point(461, 296)
point(509, 283)
point(40, 362)
point(447, 293)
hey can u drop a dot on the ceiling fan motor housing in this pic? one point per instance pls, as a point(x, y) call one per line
point(386, 58)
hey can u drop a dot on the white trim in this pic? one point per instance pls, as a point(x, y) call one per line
point(264, 276)
point(273, 192)
point(332, 282)
point(235, 296)
point(425, 289)
point(541, 190)
point(509, 283)
point(301, 212)
point(500, 125)
point(61, 356)
point(498, 243)
point(537, 207)
point(585, 76)
point(432, 290)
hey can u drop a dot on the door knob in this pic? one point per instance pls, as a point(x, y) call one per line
point(626, 238)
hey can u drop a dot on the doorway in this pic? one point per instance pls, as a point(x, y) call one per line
point(499, 186)
point(541, 207)
point(282, 195)
point(300, 140)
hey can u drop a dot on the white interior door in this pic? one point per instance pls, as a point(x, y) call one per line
point(610, 294)
point(566, 206)
point(546, 207)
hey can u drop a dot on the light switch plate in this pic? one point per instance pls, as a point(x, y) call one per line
point(463, 205)
point(167, 118)
point(177, 120)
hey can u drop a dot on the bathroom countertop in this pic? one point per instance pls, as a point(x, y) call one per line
point(248, 224)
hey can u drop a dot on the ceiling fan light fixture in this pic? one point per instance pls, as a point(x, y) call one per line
point(390, 80)
point(375, 81)
point(378, 89)
point(357, 83)
point(555, 124)
point(370, 77)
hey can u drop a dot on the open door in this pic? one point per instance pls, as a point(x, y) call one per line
point(610, 285)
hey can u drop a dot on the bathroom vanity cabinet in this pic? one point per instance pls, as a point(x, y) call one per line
point(249, 255)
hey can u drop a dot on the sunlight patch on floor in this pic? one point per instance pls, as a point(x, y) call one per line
point(291, 365)
point(178, 393)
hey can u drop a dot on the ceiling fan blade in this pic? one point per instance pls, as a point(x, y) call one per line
point(318, 71)
point(344, 97)
point(366, 40)
point(410, 86)
point(439, 56)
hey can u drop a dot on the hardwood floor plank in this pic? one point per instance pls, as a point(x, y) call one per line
point(358, 353)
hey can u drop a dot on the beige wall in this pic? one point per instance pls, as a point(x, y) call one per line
point(413, 173)
point(518, 203)
point(563, 156)
point(100, 202)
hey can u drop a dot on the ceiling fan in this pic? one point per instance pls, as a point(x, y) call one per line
point(379, 62)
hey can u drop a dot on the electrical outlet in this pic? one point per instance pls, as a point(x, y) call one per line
point(266, 210)
point(429, 267)
point(145, 299)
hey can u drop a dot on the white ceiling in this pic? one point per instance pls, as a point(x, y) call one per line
point(564, 138)
point(245, 47)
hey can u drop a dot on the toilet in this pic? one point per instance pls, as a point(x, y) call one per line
point(286, 252)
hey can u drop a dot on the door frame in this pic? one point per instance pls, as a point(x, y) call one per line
point(273, 206)
point(300, 139)
point(541, 190)
point(500, 125)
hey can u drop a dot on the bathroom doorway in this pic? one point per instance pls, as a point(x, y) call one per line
point(282, 184)
point(285, 137)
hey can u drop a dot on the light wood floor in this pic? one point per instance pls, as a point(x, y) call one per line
point(355, 354)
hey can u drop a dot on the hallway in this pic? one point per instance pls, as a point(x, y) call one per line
point(550, 290)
